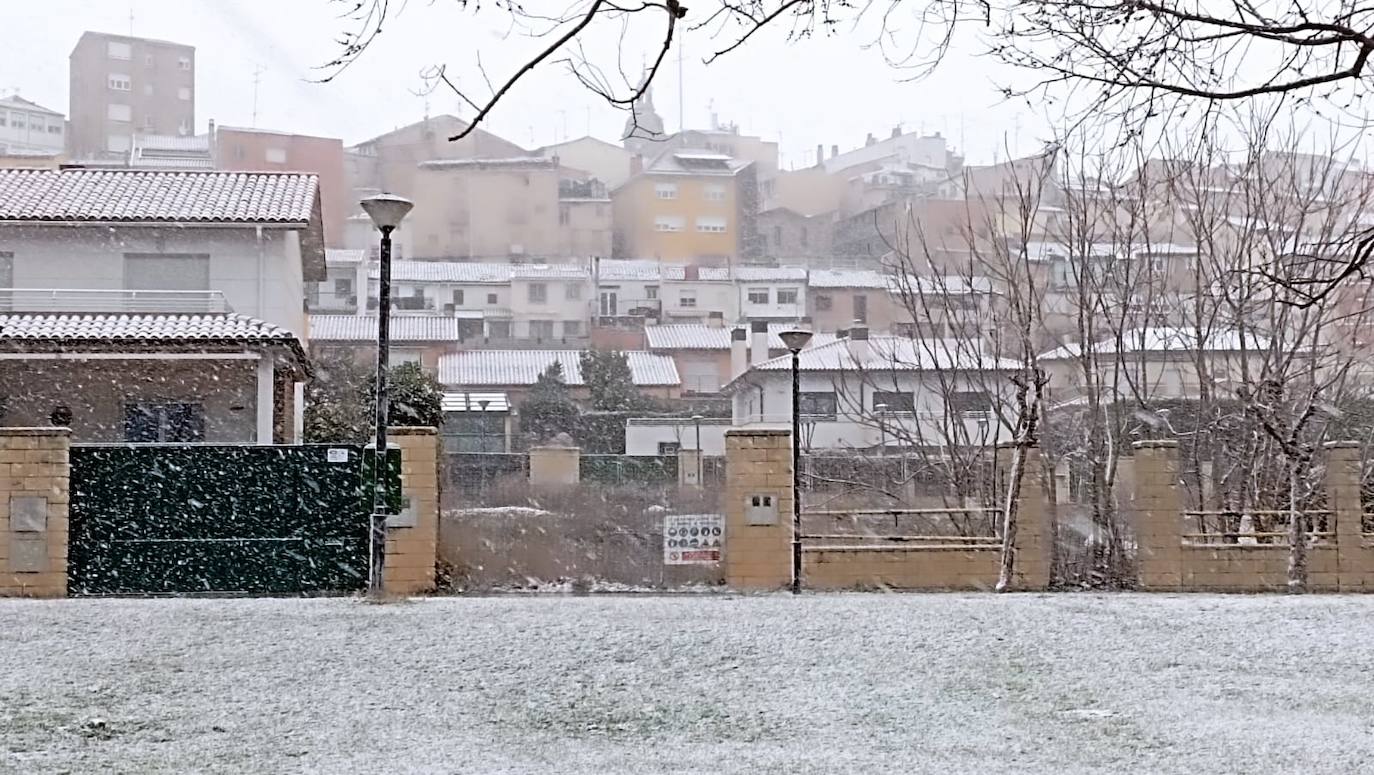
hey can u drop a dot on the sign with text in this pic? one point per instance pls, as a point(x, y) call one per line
point(693, 539)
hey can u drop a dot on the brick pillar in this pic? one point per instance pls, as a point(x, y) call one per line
point(412, 537)
point(758, 538)
point(1343, 498)
point(555, 465)
point(1158, 517)
point(34, 477)
point(1033, 536)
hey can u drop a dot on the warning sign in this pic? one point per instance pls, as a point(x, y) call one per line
point(693, 539)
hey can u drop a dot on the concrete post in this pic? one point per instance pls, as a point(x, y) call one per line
point(1343, 498)
point(555, 465)
point(1158, 517)
point(264, 401)
point(758, 508)
point(412, 537)
point(34, 481)
point(688, 467)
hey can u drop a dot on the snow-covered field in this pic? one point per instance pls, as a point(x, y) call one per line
point(702, 683)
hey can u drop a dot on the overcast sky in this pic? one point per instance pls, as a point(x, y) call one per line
point(830, 91)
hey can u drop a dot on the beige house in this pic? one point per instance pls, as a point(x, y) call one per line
point(388, 162)
point(608, 163)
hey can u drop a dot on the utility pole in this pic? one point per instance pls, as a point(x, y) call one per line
point(681, 96)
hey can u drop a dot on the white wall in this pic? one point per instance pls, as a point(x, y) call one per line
point(92, 257)
point(711, 297)
point(767, 400)
point(751, 311)
point(644, 439)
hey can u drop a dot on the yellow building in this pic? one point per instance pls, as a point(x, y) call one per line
point(690, 207)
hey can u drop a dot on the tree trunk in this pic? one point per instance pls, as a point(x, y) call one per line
point(1297, 537)
point(1014, 477)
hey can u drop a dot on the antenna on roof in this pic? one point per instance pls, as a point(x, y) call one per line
point(131, 18)
point(257, 78)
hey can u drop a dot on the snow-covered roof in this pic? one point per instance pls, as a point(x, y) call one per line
point(148, 196)
point(222, 327)
point(445, 272)
point(549, 272)
point(363, 328)
point(691, 336)
point(347, 256)
point(888, 354)
point(1059, 251)
point(512, 162)
point(954, 285)
point(848, 278)
point(769, 274)
point(1164, 339)
point(680, 273)
point(523, 367)
point(475, 402)
point(622, 270)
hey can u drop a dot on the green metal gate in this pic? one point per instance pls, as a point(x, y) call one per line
point(185, 519)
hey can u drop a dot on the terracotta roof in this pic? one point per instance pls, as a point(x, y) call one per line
point(363, 328)
point(689, 336)
point(523, 367)
point(888, 354)
point(1166, 340)
point(153, 196)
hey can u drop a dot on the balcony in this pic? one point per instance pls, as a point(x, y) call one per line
point(112, 301)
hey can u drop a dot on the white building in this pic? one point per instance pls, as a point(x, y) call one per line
point(771, 293)
point(253, 237)
point(27, 128)
point(862, 393)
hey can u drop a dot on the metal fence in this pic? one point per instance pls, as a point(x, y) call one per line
point(630, 469)
point(474, 472)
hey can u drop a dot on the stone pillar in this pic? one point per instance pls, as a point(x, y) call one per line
point(34, 477)
point(1343, 498)
point(1033, 536)
point(758, 509)
point(1158, 516)
point(412, 537)
point(265, 401)
point(689, 467)
point(555, 465)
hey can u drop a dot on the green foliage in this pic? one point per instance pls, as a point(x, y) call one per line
point(549, 409)
point(340, 400)
point(608, 378)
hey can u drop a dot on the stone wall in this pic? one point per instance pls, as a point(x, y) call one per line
point(758, 509)
point(553, 466)
point(33, 511)
point(412, 537)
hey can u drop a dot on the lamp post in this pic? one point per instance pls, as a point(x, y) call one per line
point(386, 212)
point(696, 421)
point(881, 409)
point(794, 341)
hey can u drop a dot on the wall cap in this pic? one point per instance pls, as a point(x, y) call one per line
point(36, 431)
point(1341, 445)
point(554, 448)
point(412, 430)
point(1155, 444)
point(758, 432)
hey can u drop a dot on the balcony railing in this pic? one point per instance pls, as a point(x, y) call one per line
point(112, 301)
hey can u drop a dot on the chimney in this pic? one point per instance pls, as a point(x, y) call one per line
point(897, 131)
point(739, 352)
point(715, 319)
point(859, 348)
point(758, 344)
point(636, 165)
point(834, 151)
point(870, 140)
point(820, 154)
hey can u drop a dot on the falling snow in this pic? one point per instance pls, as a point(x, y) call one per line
point(640, 684)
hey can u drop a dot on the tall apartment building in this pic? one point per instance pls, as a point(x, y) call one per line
point(122, 86)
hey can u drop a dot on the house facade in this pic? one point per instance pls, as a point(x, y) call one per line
point(688, 207)
point(511, 373)
point(27, 128)
point(122, 86)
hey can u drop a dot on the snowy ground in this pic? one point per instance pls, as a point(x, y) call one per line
point(709, 684)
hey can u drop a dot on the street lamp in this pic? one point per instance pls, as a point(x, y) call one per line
point(794, 341)
point(881, 409)
point(696, 420)
point(386, 212)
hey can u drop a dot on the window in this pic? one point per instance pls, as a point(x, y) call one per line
point(491, 299)
point(687, 298)
point(538, 293)
point(758, 296)
point(860, 308)
point(54, 129)
point(2, 118)
point(572, 292)
point(666, 190)
point(498, 329)
point(824, 303)
point(6, 277)
point(787, 295)
point(715, 193)
point(889, 401)
point(172, 421)
point(818, 406)
point(668, 448)
point(458, 297)
point(166, 272)
point(541, 330)
point(119, 82)
point(343, 287)
point(117, 112)
point(668, 223)
point(572, 328)
point(564, 215)
point(964, 402)
point(184, 63)
point(651, 291)
point(149, 61)
point(117, 143)
point(395, 357)
point(117, 50)
point(711, 225)
point(184, 94)
point(274, 155)
point(777, 237)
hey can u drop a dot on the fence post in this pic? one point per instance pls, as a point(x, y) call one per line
point(758, 508)
point(1343, 498)
point(555, 465)
point(1158, 518)
point(412, 537)
point(34, 480)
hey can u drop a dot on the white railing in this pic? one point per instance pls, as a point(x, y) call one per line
point(111, 301)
